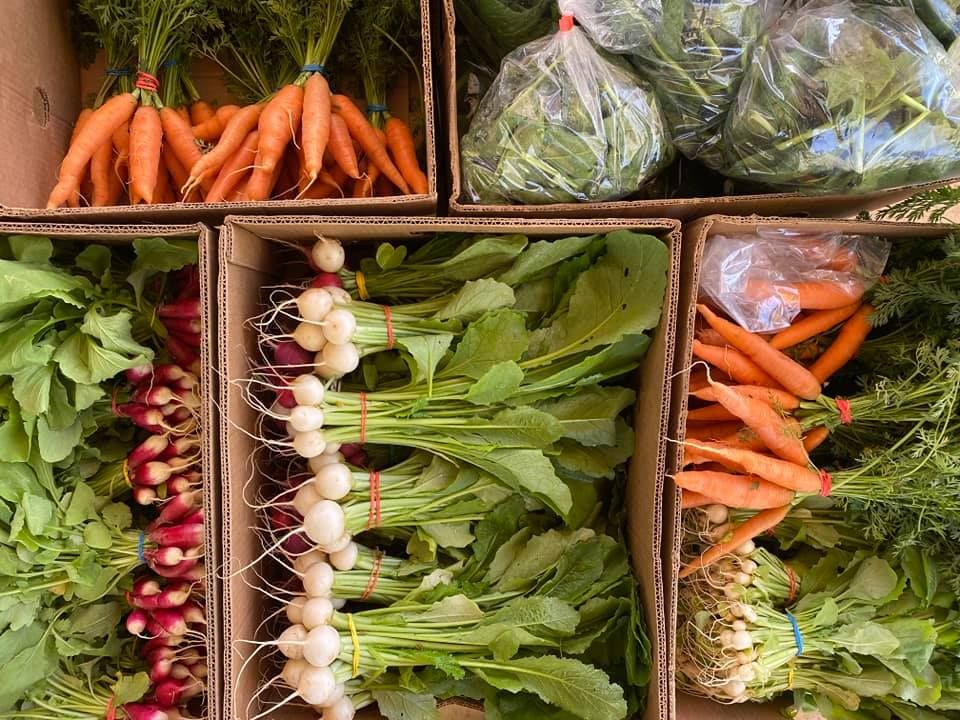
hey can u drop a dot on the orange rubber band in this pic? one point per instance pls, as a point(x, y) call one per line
point(363, 418)
point(374, 517)
point(388, 316)
point(374, 576)
point(843, 408)
point(146, 81)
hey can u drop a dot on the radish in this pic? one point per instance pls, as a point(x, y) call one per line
point(339, 326)
point(310, 337)
point(288, 355)
point(291, 641)
point(306, 497)
point(140, 373)
point(325, 523)
point(324, 459)
point(340, 296)
point(186, 309)
point(316, 611)
point(326, 280)
point(304, 418)
point(307, 390)
point(339, 544)
point(345, 559)
point(309, 444)
point(314, 304)
point(318, 580)
point(322, 646)
point(328, 255)
point(140, 711)
point(332, 449)
point(295, 609)
point(292, 669)
point(302, 563)
point(341, 359)
point(333, 481)
point(341, 709)
point(316, 684)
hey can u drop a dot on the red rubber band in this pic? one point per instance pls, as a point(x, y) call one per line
point(792, 577)
point(111, 711)
point(770, 532)
point(373, 515)
point(374, 576)
point(843, 407)
point(826, 483)
point(566, 23)
point(363, 418)
point(146, 81)
point(882, 280)
point(388, 317)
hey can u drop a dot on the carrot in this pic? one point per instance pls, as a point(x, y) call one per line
point(287, 179)
point(738, 491)
point(383, 187)
point(178, 137)
point(177, 172)
point(86, 190)
point(341, 147)
point(709, 336)
point(82, 119)
point(163, 192)
point(183, 112)
point(200, 111)
point(116, 183)
point(779, 399)
point(121, 143)
point(315, 125)
point(365, 134)
point(711, 413)
point(846, 345)
point(233, 171)
point(790, 374)
point(278, 123)
point(211, 128)
point(145, 136)
point(810, 294)
point(239, 192)
point(747, 530)
point(363, 188)
point(743, 439)
point(100, 172)
point(234, 133)
point(261, 183)
point(735, 364)
point(690, 499)
point(780, 472)
point(96, 131)
point(815, 438)
point(403, 151)
point(778, 435)
point(713, 431)
point(811, 326)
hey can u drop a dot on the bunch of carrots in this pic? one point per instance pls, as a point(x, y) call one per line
point(151, 139)
point(757, 410)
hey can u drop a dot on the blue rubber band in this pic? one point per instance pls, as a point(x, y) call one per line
point(140, 542)
point(375, 108)
point(315, 67)
point(118, 72)
point(168, 63)
point(797, 637)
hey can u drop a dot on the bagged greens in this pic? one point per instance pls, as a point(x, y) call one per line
point(563, 123)
point(845, 96)
point(941, 17)
point(620, 26)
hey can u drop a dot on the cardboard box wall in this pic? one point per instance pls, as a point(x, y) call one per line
point(42, 88)
point(247, 262)
point(684, 208)
point(206, 242)
point(695, 237)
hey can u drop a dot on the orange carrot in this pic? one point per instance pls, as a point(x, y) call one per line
point(365, 185)
point(810, 294)
point(747, 530)
point(163, 192)
point(121, 143)
point(234, 171)
point(737, 491)
point(100, 172)
point(690, 499)
point(261, 183)
point(743, 439)
point(278, 123)
point(815, 438)
point(709, 336)
point(116, 183)
point(96, 131)
point(780, 472)
point(790, 374)
point(341, 147)
point(234, 133)
point(200, 111)
point(713, 431)
point(364, 133)
point(86, 190)
point(769, 424)
point(846, 345)
point(178, 173)
point(734, 363)
point(711, 413)
point(211, 128)
point(811, 326)
point(780, 399)
point(178, 137)
point(403, 151)
point(77, 127)
point(145, 136)
point(183, 112)
point(315, 124)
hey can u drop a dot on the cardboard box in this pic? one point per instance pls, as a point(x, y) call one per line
point(41, 93)
point(680, 208)
point(206, 239)
point(248, 262)
point(695, 237)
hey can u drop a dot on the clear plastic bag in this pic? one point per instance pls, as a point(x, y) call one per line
point(756, 278)
point(942, 17)
point(620, 26)
point(696, 62)
point(563, 123)
point(845, 96)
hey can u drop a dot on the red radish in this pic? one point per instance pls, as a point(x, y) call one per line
point(181, 536)
point(169, 373)
point(286, 399)
point(288, 355)
point(140, 711)
point(325, 280)
point(168, 556)
point(146, 586)
point(178, 484)
point(143, 495)
point(180, 351)
point(182, 571)
point(181, 326)
point(139, 374)
point(136, 622)
point(188, 280)
point(173, 621)
point(152, 473)
point(188, 309)
point(194, 340)
point(160, 670)
point(150, 449)
point(197, 573)
point(195, 517)
point(193, 614)
point(153, 396)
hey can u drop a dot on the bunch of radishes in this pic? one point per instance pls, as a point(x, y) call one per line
point(181, 318)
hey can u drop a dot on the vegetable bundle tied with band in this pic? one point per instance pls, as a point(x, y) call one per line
point(845, 96)
point(563, 123)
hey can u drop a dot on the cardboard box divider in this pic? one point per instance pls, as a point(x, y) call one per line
point(40, 97)
point(206, 244)
point(695, 237)
point(682, 208)
point(248, 262)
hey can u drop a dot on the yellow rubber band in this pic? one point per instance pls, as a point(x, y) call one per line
point(362, 285)
point(126, 474)
point(790, 678)
point(356, 644)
